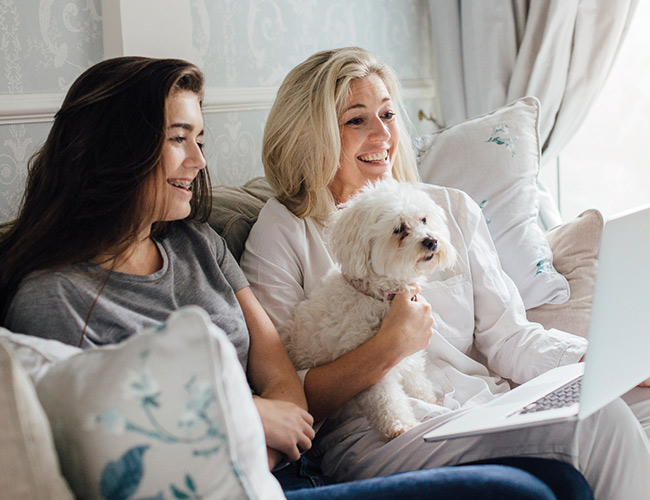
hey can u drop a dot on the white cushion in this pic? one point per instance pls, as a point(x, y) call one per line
point(36, 354)
point(166, 413)
point(29, 468)
point(494, 158)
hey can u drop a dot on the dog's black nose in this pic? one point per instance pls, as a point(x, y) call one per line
point(430, 243)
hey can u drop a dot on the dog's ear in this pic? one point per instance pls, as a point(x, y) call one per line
point(447, 255)
point(346, 240)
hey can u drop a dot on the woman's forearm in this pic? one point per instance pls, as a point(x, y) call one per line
point(279, 379)
point(270, 371)
point(406, 328)
point(330, 386)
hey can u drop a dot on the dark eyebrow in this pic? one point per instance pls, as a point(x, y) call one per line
point(184, 126)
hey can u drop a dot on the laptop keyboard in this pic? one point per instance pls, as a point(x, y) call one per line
point(563, 396)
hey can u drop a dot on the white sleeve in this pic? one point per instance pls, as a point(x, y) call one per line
point(514, 347)
point(272, 263)
point(284, 260)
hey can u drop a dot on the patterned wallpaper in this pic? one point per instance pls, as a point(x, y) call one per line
point(256, 42)
point(46, 44)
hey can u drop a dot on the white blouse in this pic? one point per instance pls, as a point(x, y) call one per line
point(481, 334)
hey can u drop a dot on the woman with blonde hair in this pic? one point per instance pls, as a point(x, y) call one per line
point(336, 125)
point(302, 140)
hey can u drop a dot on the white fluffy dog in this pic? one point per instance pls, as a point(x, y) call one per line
point(385, 239)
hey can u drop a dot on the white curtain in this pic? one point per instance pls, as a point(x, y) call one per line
point(490, 52)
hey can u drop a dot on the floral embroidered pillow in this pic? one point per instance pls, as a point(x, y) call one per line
point(166, 414)
point(494, 158)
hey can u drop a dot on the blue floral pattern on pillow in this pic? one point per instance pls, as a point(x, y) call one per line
point(198, 424)
point(544, 266)
point(121, 478)
point(545, 263)
point(500, 136)
point(167, 414)
point(421, 145)
point(482, 205)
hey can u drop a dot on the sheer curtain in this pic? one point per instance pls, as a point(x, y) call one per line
point(489, 53)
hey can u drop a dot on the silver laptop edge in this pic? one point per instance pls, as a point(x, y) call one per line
point(619, 339)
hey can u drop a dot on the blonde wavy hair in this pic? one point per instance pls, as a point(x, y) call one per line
point(302, 137)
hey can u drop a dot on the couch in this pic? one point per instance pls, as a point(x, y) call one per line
point(29, 467)
point(70, 422)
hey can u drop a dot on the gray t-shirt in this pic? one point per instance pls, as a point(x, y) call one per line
point(197, 269)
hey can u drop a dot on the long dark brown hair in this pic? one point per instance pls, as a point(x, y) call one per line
point(84, 191)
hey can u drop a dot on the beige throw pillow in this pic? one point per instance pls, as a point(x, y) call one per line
point(235, 210)
point(575, 248)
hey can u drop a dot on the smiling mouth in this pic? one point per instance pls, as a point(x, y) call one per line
point(181, 184)
point(380, 157)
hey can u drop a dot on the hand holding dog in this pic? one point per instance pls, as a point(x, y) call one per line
point(408, 326)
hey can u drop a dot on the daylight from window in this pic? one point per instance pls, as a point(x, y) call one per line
point(607, 163)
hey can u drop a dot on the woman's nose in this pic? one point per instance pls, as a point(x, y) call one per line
point(380, 131)
point(196, 157)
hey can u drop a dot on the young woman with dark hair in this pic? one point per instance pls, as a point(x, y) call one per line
point(109, 238)
point(84, 190)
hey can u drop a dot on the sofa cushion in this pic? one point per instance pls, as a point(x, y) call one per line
point(575, 247)
point(29, 468)
point(166, 413)
point(235, 210)
point(495, 158)
point(36, 354)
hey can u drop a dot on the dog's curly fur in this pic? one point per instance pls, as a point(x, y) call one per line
point(385, 239)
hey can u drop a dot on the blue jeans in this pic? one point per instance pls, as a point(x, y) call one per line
point(508, 478)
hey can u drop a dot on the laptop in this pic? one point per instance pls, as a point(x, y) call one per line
point(619, 345)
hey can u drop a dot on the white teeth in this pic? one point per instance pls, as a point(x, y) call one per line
point(383, 156)
point(182, 184)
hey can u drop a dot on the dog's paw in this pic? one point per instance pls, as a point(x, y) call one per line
point(395, 433)
point(435, 398)
point(397, 429)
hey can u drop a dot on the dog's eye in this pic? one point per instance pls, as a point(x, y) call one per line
point(400, 229)
point(424, 220)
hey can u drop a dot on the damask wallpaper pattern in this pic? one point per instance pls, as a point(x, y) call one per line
point(46, 44)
